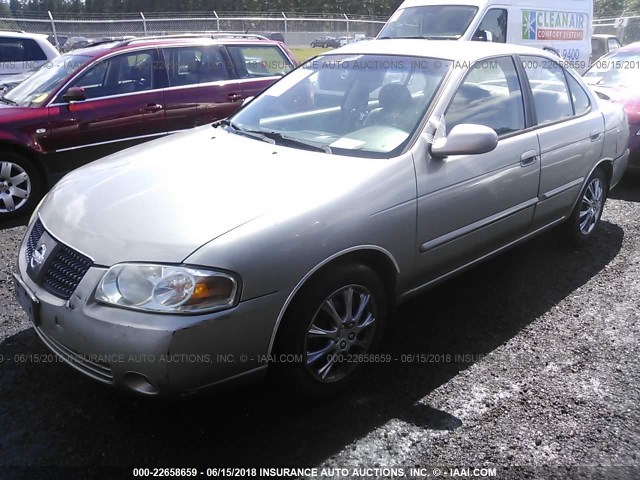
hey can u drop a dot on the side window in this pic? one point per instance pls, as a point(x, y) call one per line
point(490, 95)
point(613, 44)
point(33, 51)
point(550, 92)
point(580, 98)
point(183, 65)
point(259, 61)
point(20, 50)
point(126, 73)
point(214, 66)
point(597, 48)
point(493, 27)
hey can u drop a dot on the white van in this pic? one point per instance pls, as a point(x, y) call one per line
point(563, 27)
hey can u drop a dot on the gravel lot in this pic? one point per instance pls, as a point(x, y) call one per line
point(535, 371)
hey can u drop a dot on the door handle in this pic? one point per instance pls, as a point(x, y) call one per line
point(234, 97)
point(528, 158)
point(595, 135)
point(152, 107)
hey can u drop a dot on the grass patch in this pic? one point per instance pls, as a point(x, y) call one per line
point(304, 53)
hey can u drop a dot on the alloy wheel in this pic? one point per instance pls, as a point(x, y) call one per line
point(15, 187)
point(591, 206)
point(342, 328)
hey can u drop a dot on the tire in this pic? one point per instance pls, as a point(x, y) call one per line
point(585, 217)
point(319, 348)
point(20, 185)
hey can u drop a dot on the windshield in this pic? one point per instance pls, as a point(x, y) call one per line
point(362, 105)
point(447, 22)
point(616, 69)
point(36, 89)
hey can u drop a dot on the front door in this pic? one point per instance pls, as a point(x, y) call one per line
point(470, 205)
point(123, 106)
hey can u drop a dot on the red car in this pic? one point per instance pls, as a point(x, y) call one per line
point(91, 102)
point(615, 77)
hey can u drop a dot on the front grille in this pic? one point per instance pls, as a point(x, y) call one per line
point(65, 272)
point(65, 269)
point(34, 236)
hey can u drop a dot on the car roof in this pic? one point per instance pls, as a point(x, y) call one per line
point(21, 34)
point(141, 42)
point(444, 49)
point(632, 47)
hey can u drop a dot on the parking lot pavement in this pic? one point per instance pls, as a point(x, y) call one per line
point(531, 359)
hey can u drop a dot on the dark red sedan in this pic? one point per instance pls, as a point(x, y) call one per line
point(91, 102)
point(616, 77)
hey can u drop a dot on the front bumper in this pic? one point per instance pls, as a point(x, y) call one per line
point(152, 353)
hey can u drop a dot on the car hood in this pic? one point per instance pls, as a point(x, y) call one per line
point(162, 200)
point(13, 80)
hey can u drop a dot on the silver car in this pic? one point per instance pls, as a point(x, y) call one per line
point(282, 239)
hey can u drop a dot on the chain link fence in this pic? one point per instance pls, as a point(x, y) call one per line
point(626, 28)
point(297, 29)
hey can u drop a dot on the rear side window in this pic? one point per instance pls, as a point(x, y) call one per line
point(259, 61)
point(580, 98)
point(550, 92)
point(20, 50)
point(193, 65)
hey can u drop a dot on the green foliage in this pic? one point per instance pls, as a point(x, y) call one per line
point(359, 7)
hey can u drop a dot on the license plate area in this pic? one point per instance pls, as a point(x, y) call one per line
point(27, 299)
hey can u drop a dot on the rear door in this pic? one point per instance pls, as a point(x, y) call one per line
point(570, 133)
point(124, 106)
point(201, 86)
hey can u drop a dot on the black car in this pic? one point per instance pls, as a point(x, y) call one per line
point(325, 42)
point(277, 36)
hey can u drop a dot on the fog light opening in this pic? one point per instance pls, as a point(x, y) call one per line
point(139, 383)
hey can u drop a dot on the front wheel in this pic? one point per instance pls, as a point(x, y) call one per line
point(330, 329)
point(586, 215)
point(20, 185)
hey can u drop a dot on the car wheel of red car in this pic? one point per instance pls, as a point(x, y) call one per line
point(20, 185)
point(331, 328)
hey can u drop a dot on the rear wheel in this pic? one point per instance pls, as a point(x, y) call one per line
point(587, 213)
point(20, 185)
point(333, 324)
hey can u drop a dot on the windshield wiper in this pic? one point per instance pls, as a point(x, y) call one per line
point(222, 122)
point(8, 102)
point(257, 134)
point(296, 141)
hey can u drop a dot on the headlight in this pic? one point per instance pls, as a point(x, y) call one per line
point(166, 288)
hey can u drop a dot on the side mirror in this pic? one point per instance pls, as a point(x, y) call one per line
point(74, 94)
point(479, 36)
point(466, 139)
